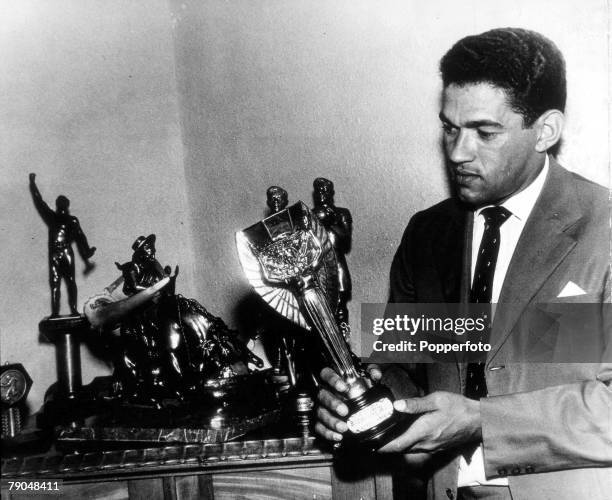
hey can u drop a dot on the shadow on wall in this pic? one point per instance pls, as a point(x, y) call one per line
point(254, 316)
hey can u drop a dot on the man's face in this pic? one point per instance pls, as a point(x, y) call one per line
point(490, 155)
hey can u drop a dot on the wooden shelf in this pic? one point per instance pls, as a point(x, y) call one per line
point(292, 468)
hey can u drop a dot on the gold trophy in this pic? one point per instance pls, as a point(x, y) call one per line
point(289, 260)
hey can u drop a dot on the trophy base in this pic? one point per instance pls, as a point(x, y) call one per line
point(372, 421)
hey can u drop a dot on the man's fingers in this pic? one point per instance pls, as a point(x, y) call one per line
point(326, 433)
point(375, 372)
point(331, 421)
point(333, 379)
point(415, 405)
point(331, 402)
point(400, 444)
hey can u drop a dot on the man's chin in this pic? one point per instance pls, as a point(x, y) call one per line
point(471, 197)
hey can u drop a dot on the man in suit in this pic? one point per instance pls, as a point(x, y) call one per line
point(520, 230)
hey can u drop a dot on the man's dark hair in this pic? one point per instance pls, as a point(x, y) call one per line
point(527, 65)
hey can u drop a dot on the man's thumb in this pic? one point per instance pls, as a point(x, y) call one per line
point(414, 405)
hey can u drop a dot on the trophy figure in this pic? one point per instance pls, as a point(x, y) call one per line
point(276, 199)
point(290, 261)
point(64, 230)
point(339, 225)
point(64, 331)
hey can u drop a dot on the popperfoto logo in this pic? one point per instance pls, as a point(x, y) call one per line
point(556, 332)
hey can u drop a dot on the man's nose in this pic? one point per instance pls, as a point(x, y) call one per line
point(461, 149)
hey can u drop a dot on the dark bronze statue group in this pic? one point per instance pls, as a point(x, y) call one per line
point(171, 346)
point(166, 346)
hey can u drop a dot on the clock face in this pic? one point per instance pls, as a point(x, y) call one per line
point(13, 386)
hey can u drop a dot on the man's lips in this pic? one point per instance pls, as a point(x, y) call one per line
point(463, 177)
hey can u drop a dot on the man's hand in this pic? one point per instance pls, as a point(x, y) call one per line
point(447, 420)
point(331, 407)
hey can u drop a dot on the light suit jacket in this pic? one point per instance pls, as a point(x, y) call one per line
point(547, 426)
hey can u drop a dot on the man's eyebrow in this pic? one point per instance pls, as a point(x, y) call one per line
point(473, 123)
point(483, 123)
point(444, 119)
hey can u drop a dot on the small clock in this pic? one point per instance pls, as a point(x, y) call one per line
point(15, 384)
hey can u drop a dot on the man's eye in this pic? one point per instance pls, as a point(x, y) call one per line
point(448, 129)
point(487, 136)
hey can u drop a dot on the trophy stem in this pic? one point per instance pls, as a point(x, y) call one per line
point(317, 309)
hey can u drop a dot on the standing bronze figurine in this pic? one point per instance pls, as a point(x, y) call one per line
point(277, 199)
point(339, 224)
point(64, 230)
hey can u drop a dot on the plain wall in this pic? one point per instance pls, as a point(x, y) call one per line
point(88, 101)
point(174, 117)
point(279, 93)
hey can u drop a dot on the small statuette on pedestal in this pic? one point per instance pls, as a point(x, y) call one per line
point(64, 331)
point(64, 230)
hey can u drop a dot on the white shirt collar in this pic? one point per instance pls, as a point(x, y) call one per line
point(521, 203)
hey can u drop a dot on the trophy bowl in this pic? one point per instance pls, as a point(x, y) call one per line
point(289, 260)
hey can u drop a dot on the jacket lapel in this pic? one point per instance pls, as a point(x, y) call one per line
point(449, 254)
point(452, 251)
point(466, 284)
point(542, 246)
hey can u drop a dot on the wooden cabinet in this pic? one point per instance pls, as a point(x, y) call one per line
point(287, 469)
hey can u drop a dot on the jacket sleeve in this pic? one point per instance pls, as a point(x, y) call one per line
point(561, 427)
point(565, 426)
point(406, 379)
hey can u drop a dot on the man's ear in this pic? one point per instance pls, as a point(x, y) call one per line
point(550, 127)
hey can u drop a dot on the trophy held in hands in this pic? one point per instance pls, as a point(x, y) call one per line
point(289, 260)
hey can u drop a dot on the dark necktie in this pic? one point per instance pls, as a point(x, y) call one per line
point(482, 287)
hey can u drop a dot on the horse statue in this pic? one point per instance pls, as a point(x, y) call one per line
point(168, 347)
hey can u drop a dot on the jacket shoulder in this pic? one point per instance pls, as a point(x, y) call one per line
point(443, 218)
point(593, 197)
point(450, 209)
